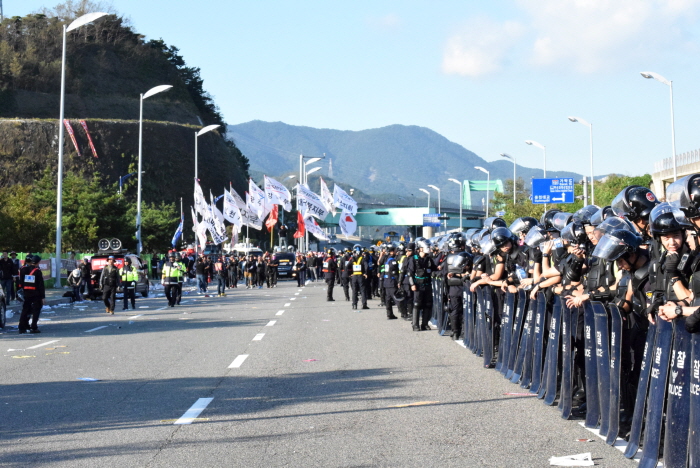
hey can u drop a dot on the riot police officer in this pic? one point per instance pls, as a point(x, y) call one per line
point(129, 277)
point(358, 272)
point(390, 281)
point(458, 266)
point(170, 279)
point(344, 273)
point(419, 271)
point(330, 273)
point(31, 282)
point(407, 310)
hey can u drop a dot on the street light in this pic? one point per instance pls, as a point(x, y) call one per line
point(425, 191)
point(488, 183)
point(302, 180)
point(311, 171)
point(197, 134)
point(590, 128)
point(544, 149)
point(669, 83)
point(149, 93)
point(438, 191)
point(461, 192)
point(82, 21)
point(508, 156)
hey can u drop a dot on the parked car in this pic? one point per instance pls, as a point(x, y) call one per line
point(99, 261)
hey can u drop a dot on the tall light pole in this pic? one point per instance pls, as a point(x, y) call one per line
point(461, 193)
point(669, 83)
point(149, 93)
point(302, 179)
point(428, 193)
point(544, 149)
point(590, 133)
point(82, 21)
point(508, 156)
point(438, 191)
point(488, 184)
point(197, 134)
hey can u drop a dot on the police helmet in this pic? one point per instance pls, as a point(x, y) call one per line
point(615, 223)
point(36, 259)
point(575, 233)
point(685, 194)
point(561, 220)
point(635, 202)
point(178, 257)
point(486, 244)
point(601, 215)
point(523, 225)
point(423, 243)
point(546, 219)
point(494, 222)
point(172, 255)
point(127, 260)
point(535, 236)
point(469, 233)
point(617, 244)
point(501, 236)
point(331, 252)
point(665, 219)
point(399, 295)
point(456, 243)
point(585, 214)
point(411, 246)
point(357, 248)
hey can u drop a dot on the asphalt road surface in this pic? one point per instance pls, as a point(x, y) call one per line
point(264, 377)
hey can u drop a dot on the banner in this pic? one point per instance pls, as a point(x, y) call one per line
point(344, 201)
point(312, 226)
point(327, 197)
point(211, 224)
point(310, 203)
point(240, 203)
point(202, 235)
point(92, 146)
point(219, 223)
point(194, 220)
point(256, 200)
point(178, 233)
point(347, 223)
point(200, 204)
point(69, 129)
point(272, 218)
point(252, 218)
point(232, 213)
point(277, 194)
point(301, 226)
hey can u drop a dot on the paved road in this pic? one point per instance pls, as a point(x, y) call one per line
point(321, 385)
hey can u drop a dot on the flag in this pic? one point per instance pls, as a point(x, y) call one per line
point(347, 223)
point(69, 129)
point(256, 202)
point(327, 196)
point(219, 222)
point(232, 212)
point(200, 204)
point(310, 203)
point(178, 233)
point(344, 201)
point(237, 198)
point(92, 146)
point(202, 235)
point(312, 226)
point(277, 194)
point(254, 220)
point(272, 218)
point(194, 220)
point(301, 226)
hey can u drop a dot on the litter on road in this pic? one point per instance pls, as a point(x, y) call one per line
point(581, 459)
point(87, 379)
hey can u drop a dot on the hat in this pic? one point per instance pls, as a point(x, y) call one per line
point(13, 253)
point(111, 257)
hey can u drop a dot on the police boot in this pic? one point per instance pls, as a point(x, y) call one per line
point(409, 311)
point(415, 318)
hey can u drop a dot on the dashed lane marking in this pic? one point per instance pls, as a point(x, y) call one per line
point(258, 337)
point(292, 298)
point(238, 361)
point(42, 344)
point(296, 294)
point(287, 304)
point(194, 411)
point(136, 316)
point(271, 323)
point(95, 329)
point(279, 312)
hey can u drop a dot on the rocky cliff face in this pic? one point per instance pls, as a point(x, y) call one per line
point(28, 147)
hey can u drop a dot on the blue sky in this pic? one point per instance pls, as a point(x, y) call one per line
point(485, 74)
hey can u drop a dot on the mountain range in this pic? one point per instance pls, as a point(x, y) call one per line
point(396, 159)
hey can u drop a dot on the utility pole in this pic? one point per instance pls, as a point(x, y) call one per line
point(2, 17)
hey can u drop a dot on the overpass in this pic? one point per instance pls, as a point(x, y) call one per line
point(686, 164)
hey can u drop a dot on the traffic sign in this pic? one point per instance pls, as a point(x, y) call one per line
point(500, 213)
point(431, 220)
point(559, 190)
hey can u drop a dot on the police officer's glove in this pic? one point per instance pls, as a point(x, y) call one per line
point(671, 264)
point(651, 310)
point(692, 323)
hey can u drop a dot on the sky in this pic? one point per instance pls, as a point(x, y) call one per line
point(487, 75)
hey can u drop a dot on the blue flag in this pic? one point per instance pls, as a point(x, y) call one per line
point(178, 233)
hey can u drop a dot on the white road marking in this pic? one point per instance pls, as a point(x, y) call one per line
point(163, 308)
point(42, 344)
point(136, 316)
point(298, 289)
point(258, 337)
point(287, 304)
point(296, 294)
point(271, 323)
point(95, 329)
point(194, 411)
point(279, 312)
point(238, 361)
point(293, 299)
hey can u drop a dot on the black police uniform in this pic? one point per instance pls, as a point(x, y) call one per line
point(32, 283)
point(358, 269)
point(330, 274)
point(345, 275)
point(419, 273)
point(128, 287)
point(390, 283)
point(455, 264)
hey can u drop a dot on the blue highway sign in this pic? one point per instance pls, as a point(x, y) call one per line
point(559, 190)
point(431, 220)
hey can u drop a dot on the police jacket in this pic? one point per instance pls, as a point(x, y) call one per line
point(129, 276)
point(599, 278)
point(357, 266)
point(171, 273)
point(109, 277)
point(32, 282)
point(330, 268)
point(390, 276)
point(419, 271)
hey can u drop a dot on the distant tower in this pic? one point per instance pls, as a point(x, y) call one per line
point(330, 163)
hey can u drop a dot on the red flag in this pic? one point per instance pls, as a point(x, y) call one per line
point(272, 218)
point(301, 227)
point(69, 128)
point(92, 146)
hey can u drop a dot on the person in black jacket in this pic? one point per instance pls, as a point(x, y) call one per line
point(109, 281)
point(6, 275)
point(32, 283)
point(419, 271)
point(331, 273)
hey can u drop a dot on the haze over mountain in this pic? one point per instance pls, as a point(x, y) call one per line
point(394, 159)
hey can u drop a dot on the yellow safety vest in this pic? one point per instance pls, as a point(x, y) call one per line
point(357, 266)
point(131, 275)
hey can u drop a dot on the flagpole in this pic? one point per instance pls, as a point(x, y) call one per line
point(182, 219)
